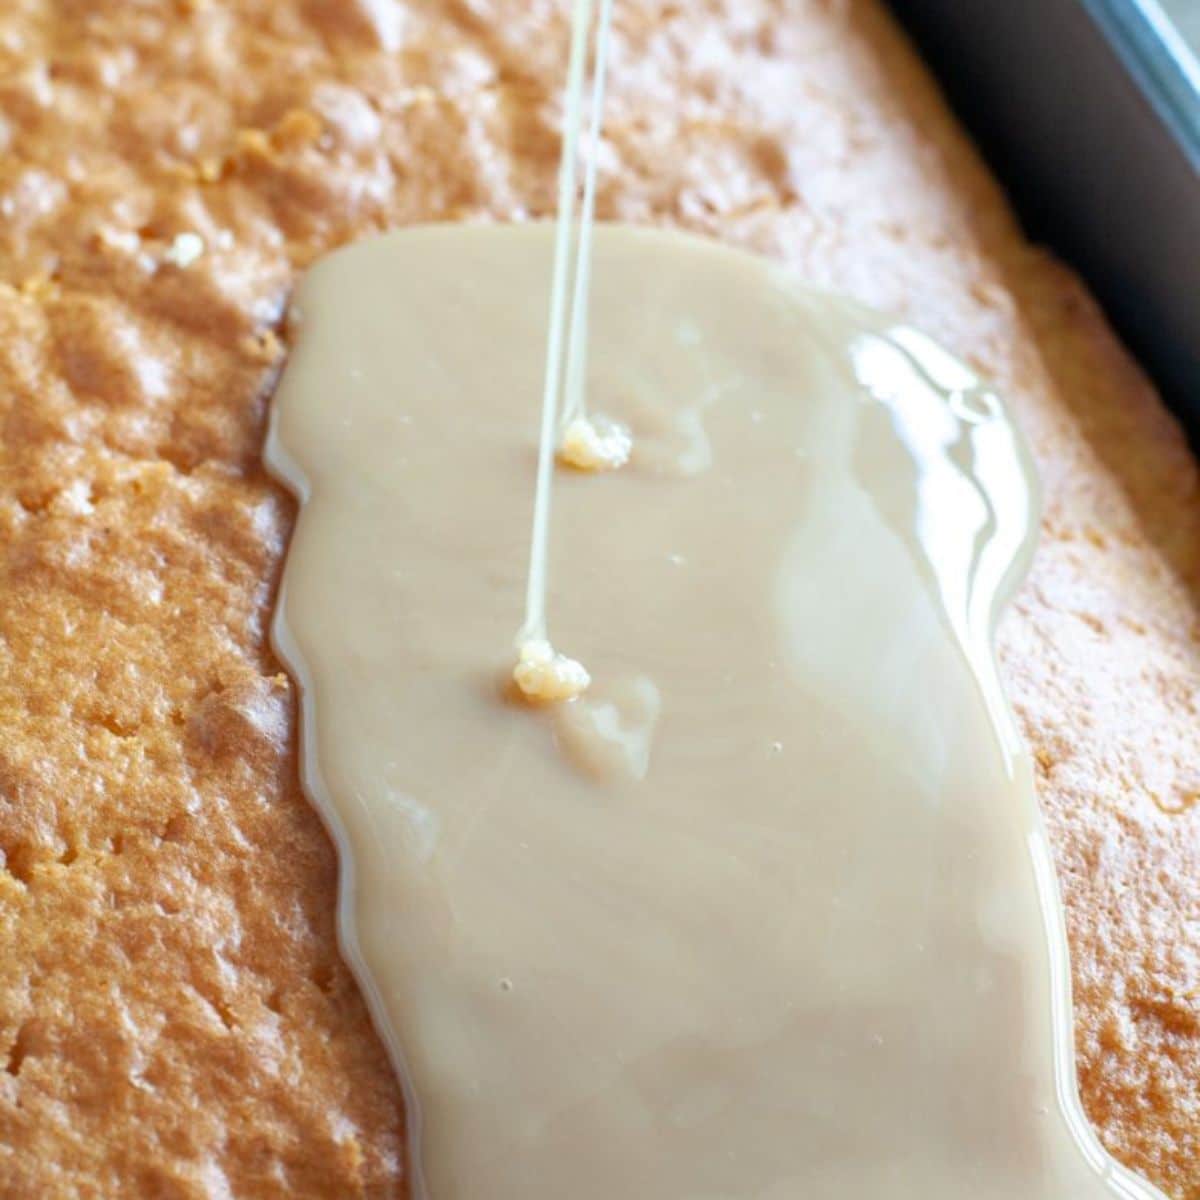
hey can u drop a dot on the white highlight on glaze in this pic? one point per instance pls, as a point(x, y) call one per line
point(611, 736)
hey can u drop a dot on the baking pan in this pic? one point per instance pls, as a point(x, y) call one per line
point(1089, 112)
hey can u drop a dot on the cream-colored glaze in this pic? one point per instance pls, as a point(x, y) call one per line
point(769, 912)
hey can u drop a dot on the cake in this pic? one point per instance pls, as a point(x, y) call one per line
point(175, 1018)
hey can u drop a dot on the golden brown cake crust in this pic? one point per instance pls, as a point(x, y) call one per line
point(174, 1019)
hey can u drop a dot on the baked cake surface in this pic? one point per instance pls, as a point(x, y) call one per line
point(174, 1017)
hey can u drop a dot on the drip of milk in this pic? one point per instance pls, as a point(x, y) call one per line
point(542, 673)
point(595, 443)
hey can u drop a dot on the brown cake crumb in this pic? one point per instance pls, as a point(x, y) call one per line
point(174, 1017)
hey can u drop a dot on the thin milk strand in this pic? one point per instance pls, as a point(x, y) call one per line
point(541, 673)
point(535, 595)
point(596, 444)
point(575, 404)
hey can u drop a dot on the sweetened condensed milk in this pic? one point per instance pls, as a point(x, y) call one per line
point(767, 912)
